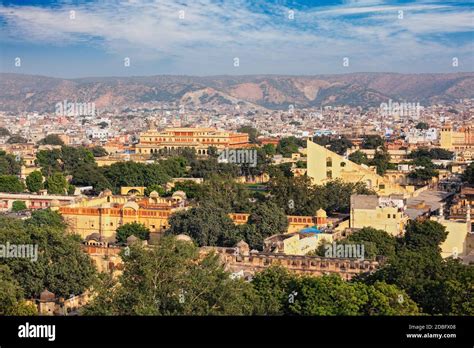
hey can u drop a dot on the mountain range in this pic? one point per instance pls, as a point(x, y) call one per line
point(19, 92)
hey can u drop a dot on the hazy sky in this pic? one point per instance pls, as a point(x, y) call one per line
point(205, 37)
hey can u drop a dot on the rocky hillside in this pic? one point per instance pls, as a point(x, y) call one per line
point(38, 93)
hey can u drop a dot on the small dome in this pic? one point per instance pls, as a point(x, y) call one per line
point(106, 193)
point(321, 213)
point(154, 194)
point(47, 295)
point(184, 238)
point(94, 236)
point(181, 194)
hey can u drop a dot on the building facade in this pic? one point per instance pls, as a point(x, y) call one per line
point(200, 139)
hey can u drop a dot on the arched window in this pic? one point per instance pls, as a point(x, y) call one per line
point(329, 162)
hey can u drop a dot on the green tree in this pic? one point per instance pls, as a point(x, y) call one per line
point(359, 157)
point(172, 279)
point(4, 132)
point(289, 145)
point(56, 184)
point(468, 175)
point(34, 181)
point(273, 288)
point(11, 184)
point(338, 144)
point(61, 265)
point(136, 229)
point(381, 161)
point(422, 125)
point(17, 139)
point(268, 220)
point(9, 164)
point(99, 151)
point(18, 206)
point(207, 225)
point(372, 142)
point(12, 301)
point(51, 139)
point(252, 132)
point(191, 188)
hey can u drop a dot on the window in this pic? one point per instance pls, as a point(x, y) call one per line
point(394, 216)
point(343, 164)
point(329, 162)
point(329, 174)
point(388, 216)
point(382, 186)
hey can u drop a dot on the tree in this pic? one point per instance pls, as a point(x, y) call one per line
point(173, 279)
point(224, 193)
point(207, 225)
point(56, 184)
point(338, 145)
point(99, 151)
point(17, 139)
point(468, 175)
point(34, 181)
point(273, 287)
point(136, 229)
point(91, 175)
point(372, 142)
point(4, 132)
point(61, 266)
point(381, 161)
point(359, 157)
point(381, 243)
point(12, 301)
point(268, 220)
point(9, 164)
point(422, 125)
point(252, 132)
point(51, 139)
point(191, 188)
point(269, 149)
point(18, 206)
point(437, 285)
point(289, 145)
point(11, 184)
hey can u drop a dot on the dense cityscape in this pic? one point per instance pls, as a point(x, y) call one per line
point(256, 172)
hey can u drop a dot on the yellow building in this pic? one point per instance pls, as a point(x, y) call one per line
point(456, 243)
point(325, 165)
point(460, 141)
point(200, 139)
point(382, 213)
point(296, 243)
point(104, 214)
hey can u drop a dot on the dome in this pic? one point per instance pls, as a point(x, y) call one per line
point(106, 193)
point(184, 238)
point(321, 213)
point(94, 236)
point(181, 194)
point(154, 194)
point(47, 295)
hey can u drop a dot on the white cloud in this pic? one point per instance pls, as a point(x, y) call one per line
point(221, 31)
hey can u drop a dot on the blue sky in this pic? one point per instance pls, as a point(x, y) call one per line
point(267, 37)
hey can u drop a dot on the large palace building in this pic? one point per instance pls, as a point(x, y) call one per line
point(200, 139)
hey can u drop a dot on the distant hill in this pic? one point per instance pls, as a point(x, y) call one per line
point(38, 93)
